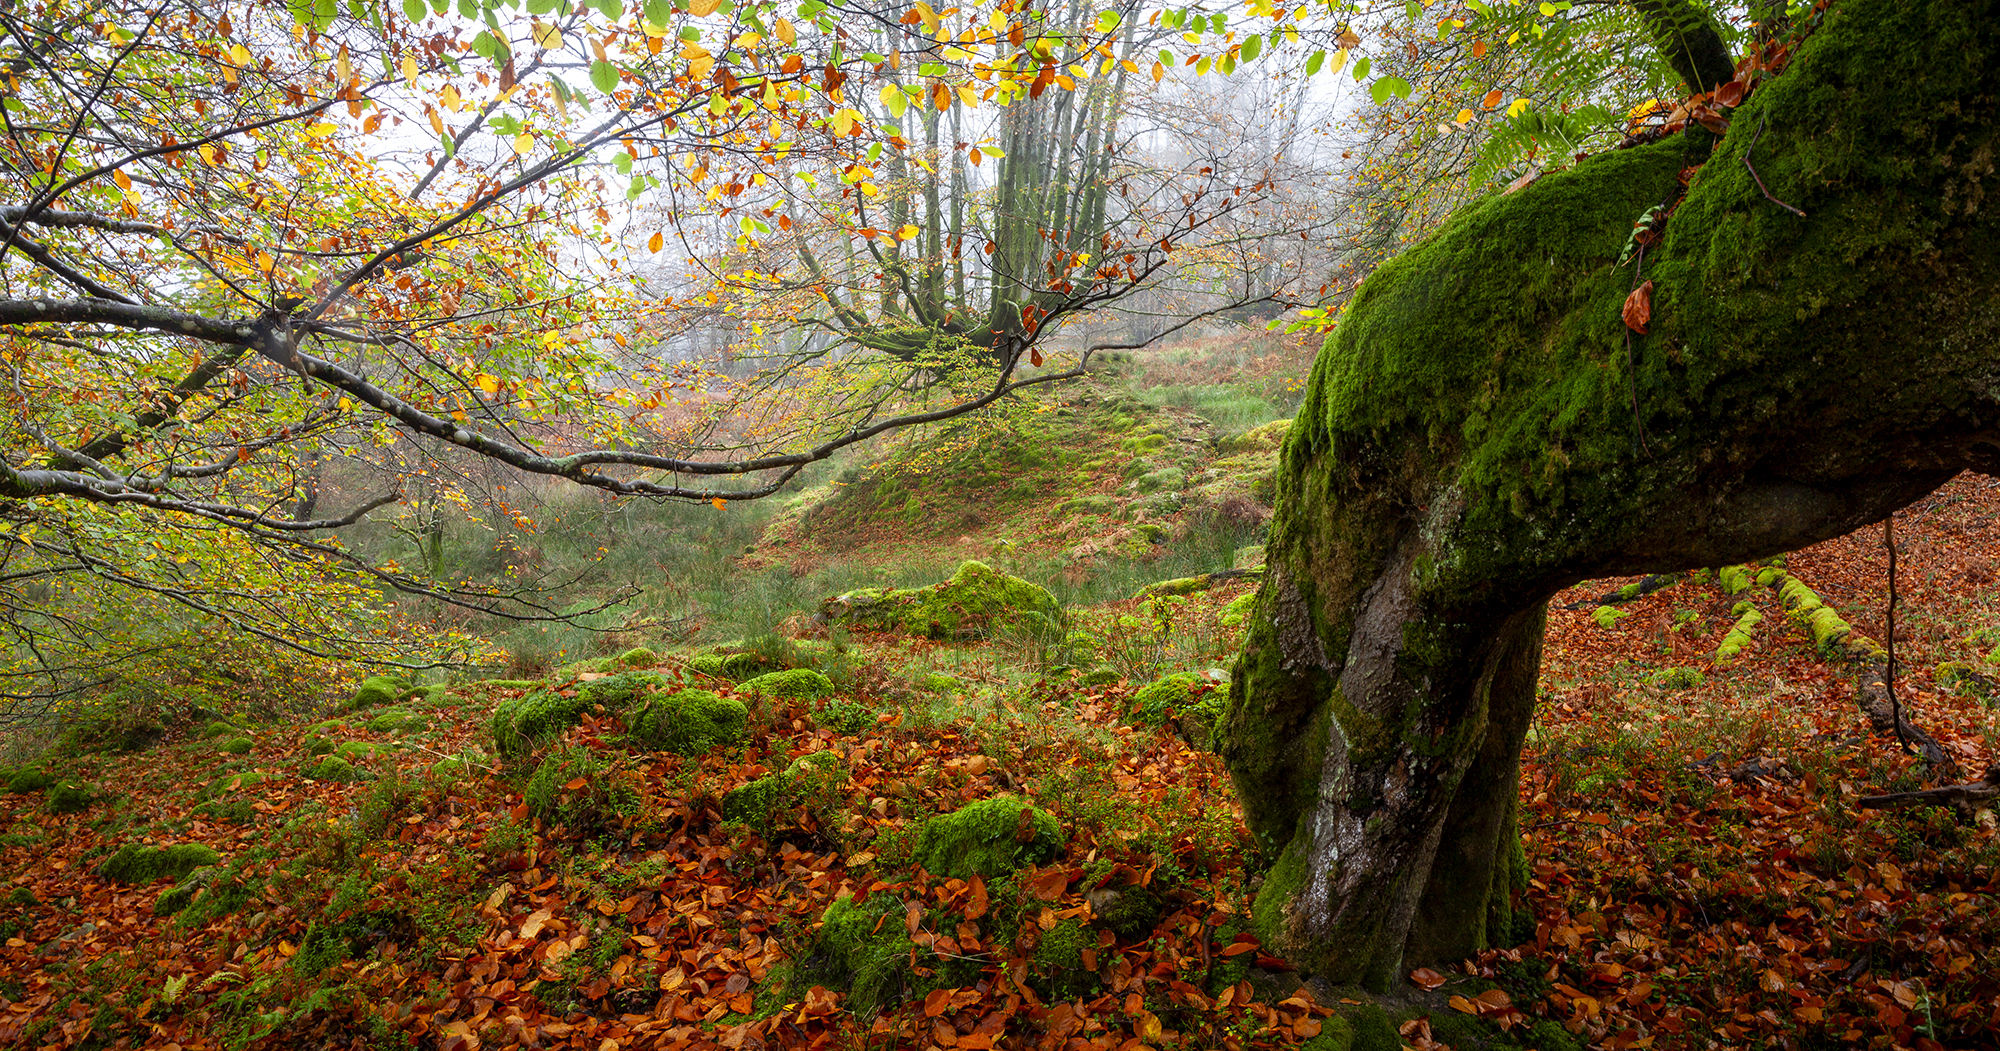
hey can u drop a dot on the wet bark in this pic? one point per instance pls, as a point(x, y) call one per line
point(1468, 447)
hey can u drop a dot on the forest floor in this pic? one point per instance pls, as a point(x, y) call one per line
point(1702, 873)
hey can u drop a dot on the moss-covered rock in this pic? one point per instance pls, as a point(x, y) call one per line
point(400, 720)
point(802, 683)
point(218, 728)
point(136, 864)
point(689, 722)
point(976, 601)
point(237, 746)
point(317, 745)
point(30, 779)
point(1190, 701)
point(984, 837)
point(519, 724)
point(357, 751)
point(72, 797)
point(332, 768)
point(597, 799)
point(638, 657)
point(378, 690)
point(1059, 971)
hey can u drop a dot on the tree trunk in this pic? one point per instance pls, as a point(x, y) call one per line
point(1482, 431)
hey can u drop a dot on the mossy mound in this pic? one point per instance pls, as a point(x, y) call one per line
point(1059, 972)
point(332, 768)
point(72, 797)
point(237, 746)
point(1190, 700)
point(802, 683)
point(30, 779)
point(866, 950)
point(688, 722)
point(975, 602)
point(983, 837)
point(398, 720)
point(379, 690)
point(736, 661)
point(811, 781)
point(136, 864)
point(638, 657)
point(573, 787)
point(846, 718)
point(317, 745)
point(218, 728)
point(542, 714)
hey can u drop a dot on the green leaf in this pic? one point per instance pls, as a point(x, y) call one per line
point(1414, 9)
point(638, 187)
point(541, 7)
point(613, 9)
point(1481, 9)
point(1317, 60)
point(415, 11)
point(659, 12)
point(603, 76)
point(1361, 69)
point(1108, 21)
point(622, 161)
point(1219, 22)
point(1251, 46)
point(1383, 88)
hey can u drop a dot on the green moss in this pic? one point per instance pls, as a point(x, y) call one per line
point(638, 657)
point(1166, 479)
point(71, 797)
point(689, 722)
point(521, 723)
point(983, 837)
point(1089, 504)
point(317, 745)
point(218, 728)
point(596, 800)
point(1606, 616)
point(30, 779)
point(1182, 695)
point(136, 864)
point(846, 718)
point(1059, 970)
point(377, 690)
point(618, 692)
point(1677, 678)
point(237, 746)
point(397, 719)
point(332, 768)
point(1238, 610)
point(1740, 634)
point(973, 603)
point(1336, 1033)
point(1735, 579)
point(811, 781)
point(357, 751)
point(802, 683)
point(1373, 1029)
point(865, 949)
point(1269, 916)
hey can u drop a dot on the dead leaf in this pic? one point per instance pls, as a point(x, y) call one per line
point(533, 924)
point(1639, 308)
point(1424, 977)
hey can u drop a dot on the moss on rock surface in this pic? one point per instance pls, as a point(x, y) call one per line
point(137, 864)
point(30, 779)
point(72, 797)
point(237, 746)
point(803, 683)
point(984, 837)
point(542, 714)
point(332, 768)
point(976, 601)
point(377, 690)
point(812, 780)
point(689, 722)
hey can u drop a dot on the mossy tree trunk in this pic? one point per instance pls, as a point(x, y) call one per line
point(1482, 431)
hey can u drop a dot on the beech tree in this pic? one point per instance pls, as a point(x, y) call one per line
point(1539, 394)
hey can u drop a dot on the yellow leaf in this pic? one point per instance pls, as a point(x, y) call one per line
point(843, 121)
point(488, 382)
point(908, 231)
point(701, 66)
point(548, 36)
point(719, 503)
point(1158, 72)
point(1518, 107)
point(132, 198)
point(346, 405)
point(656, 243)
point(785, 32)
point(437, 122)
point(523, 143)
point(450, 98)
point(1464, 116)
point(968, 95)
point(207, 153)
point(409, 65)
point(703, 8)
point(123, 180)
point(265, 262)
point(869, 189)
point(345, 67)
point(320, 130)
point(239, 54)
point(1066, 83)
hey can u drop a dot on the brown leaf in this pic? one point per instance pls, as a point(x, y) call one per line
point(938, 1002)
point(1730, 94)
point(1639, 308)
point(1049, 884)
point(1422, 976)
point(1522, 182)
point(975, 905)
point(1460, 1003)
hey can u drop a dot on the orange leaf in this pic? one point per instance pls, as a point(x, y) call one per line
point(1479, 49)
point(719, 503)
point(1250, 945)
point(1035, 357)
point(656, 242)
point(1460, 1003)
point(1638, 311)
point(938, 1002)
point(1422, 976)
point(975, 905)
point(1049, 884)
point(1492, 99)
point(578, 783)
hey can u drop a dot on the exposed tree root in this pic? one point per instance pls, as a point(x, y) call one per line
point(1631, 592)
point(1838, 642)
point(1965, 798)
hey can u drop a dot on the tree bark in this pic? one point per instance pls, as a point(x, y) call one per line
point(1467, 448)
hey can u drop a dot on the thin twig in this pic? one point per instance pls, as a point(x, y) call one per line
point(1759, 178)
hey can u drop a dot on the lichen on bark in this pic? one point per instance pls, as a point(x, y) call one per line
point(1482, 431)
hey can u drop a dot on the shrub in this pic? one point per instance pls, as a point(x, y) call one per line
point(136, 864)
